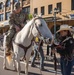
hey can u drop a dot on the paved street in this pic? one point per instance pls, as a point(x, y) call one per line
point(49, 70)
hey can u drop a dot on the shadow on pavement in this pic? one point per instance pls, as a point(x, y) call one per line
point(30, 73)
point(10, 70)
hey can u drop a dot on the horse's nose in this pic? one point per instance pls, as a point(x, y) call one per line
point(49, 40)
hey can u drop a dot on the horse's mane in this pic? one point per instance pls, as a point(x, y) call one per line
point(26, 30)
point(32, 21)
point(28, 24)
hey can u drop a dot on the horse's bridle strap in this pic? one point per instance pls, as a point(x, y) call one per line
point(36, 25)
point(38, 30)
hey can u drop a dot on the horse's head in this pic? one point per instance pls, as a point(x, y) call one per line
point(40, 28)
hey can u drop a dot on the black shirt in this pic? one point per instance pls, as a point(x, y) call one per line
point(67, 47)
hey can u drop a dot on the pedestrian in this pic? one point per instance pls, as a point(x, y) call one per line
point(17, 20)
point(65, 49)
point(38, 50)
point(1, 39)
point(48, 50)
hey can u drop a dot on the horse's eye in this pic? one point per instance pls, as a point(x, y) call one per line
point(35, 23)
point(40, 25)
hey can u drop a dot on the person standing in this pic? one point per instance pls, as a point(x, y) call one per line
point(65, 49)
point(38, 49)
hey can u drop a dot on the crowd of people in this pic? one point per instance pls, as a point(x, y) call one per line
point(65, 46)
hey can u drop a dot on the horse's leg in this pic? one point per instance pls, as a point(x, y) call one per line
point(26, 68)
point(18, 64)
point(4, 63)
point(14, 62)
point(28, 54)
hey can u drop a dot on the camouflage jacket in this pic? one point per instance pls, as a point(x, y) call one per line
point(17, 19)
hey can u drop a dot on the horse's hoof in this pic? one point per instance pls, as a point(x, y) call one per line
point(26, 74)
point(16, 70)
point(4, 68)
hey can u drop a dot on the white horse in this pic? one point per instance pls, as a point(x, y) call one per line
point(23, 40)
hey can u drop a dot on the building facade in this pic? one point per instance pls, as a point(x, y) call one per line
point(64, 15)
point(64, 10)
point(7, 6)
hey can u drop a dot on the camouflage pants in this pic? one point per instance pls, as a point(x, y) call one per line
point(9, 36)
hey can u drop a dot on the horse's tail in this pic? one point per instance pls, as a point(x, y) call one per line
point(9, 58)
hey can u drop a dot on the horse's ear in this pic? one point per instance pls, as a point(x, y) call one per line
point(40, 15)
point(34, 15)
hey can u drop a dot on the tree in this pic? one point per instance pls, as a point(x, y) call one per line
point(30, 16)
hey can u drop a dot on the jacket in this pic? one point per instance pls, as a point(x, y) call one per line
point(66, 47)
point(17, 19)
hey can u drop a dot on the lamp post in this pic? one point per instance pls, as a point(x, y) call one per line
point(55, 12)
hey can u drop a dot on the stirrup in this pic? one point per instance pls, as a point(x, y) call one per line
point(8, 53)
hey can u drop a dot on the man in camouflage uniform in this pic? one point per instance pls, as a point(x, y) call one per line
point(17, 20)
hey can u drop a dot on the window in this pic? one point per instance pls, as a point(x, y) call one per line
point(59, 6)
point(72, 4)
point(42, 10)
point(15, 1)
point(35, 11)
point(8, 3)
point(1, 5)
point(26, 9)
point(71, 16)
point(49, 9)
point(7, 15)
point(1, 17)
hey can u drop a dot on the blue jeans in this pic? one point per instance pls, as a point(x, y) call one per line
point(41, 57)
point(66, 66)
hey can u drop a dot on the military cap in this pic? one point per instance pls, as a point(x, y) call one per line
point(17, 5)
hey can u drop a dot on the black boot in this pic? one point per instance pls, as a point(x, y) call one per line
point(8, 49)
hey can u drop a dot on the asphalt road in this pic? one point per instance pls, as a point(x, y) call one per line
point(49, 70)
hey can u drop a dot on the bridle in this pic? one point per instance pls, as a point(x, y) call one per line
point(44, 38)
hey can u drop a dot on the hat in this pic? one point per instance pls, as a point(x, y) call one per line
point(64, 27)
point(17, 5)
